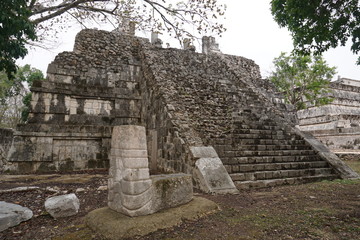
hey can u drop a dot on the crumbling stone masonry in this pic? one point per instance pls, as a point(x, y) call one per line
point(337, 125)
point(186, 100)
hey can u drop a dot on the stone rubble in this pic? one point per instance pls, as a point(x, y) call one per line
point(12, 215)
point(62, 206)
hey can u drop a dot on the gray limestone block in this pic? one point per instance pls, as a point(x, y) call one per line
point(12, 215)
point(212, 177)
point(203, 152)
point(62, 206)
point(171, 190)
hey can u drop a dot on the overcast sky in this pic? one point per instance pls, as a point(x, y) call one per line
point(251, 33)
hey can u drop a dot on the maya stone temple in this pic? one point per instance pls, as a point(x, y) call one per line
point(208, 115)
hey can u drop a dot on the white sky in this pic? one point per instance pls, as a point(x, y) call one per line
point(251, 33)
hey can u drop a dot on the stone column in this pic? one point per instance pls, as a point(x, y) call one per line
point(209, 45)
point(130, 186)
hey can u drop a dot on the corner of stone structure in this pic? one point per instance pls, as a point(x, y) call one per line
point(210, 174)
point(343, 170)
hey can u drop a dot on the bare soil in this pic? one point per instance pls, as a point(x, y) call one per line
point(328, 210)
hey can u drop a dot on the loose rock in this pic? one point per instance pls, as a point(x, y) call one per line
point(13, 214)
point(62, 206)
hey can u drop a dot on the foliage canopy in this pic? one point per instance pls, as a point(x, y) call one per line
point(317, 25)
point(15, 29)
point(303, 80)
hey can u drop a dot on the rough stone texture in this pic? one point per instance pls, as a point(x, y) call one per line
point(62, 206)
point(183, 98)
point(12, 215)
point(131, 191)
point(210, 173)
point(87, 91)
point(6, 137)
point(171, 190)
point(337, 124)
point(115, 226)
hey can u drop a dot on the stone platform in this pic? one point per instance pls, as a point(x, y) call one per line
point(113, 225)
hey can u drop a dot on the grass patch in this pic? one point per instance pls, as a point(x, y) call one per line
point(355, 165)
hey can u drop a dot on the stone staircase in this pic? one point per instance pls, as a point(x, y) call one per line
point(262, 150)
point(222, 106)
point(266, 152)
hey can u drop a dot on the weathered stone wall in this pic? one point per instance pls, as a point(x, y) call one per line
point(86, 92)
point(6, 137)
point(336, 124)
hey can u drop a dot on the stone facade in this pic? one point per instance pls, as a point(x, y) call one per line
point(337, 124)
point(183, 98)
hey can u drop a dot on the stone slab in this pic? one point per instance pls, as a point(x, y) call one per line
point(171, 190)
point(344, 171)
point(115, 226)
point(203, 152)
point(12, 215)
point(212, 177)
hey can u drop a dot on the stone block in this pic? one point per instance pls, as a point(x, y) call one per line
point(12, 215)
point(135, 187)
point(134, 201)
point(62, 206)
point(135, 162)
point(171, 190)
point(211, 175)
point(130, 174)
point(203, 152)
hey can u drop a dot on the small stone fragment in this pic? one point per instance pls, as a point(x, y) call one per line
point(80, 190)
point(102, 188)
point(62, 206)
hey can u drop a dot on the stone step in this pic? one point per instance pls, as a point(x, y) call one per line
point(271, 142)
point(278, 174)
point(278, 136)
point(269, 147)
point(240, 153)
point(268, 159)
point(243, 185)
point(258, 131)
point(241, 120)
point(243, 168)
point(258, 127)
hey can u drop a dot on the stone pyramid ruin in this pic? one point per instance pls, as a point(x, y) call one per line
point(206, 114)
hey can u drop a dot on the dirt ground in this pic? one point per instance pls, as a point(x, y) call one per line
point(328, 210)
